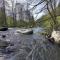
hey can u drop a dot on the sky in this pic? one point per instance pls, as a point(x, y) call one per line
point(23, 1)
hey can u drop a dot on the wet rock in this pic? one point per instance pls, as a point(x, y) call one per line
point(3, 44)
point(3, 29)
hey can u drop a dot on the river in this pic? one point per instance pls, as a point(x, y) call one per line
point(28, 47)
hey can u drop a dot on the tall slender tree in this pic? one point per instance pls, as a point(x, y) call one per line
point(4, 14)
point(13, 13)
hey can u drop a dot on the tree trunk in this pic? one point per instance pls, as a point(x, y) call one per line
point(4, 14)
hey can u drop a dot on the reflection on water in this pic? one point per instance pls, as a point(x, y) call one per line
point(28, 47)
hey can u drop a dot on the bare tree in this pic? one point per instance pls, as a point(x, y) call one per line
point(49, 7)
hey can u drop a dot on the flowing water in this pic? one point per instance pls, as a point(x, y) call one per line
point(28, 47)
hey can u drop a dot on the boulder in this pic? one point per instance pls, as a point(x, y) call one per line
point(56, 36)
point(3, 28)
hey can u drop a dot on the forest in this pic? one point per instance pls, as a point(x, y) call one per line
point(29, 29)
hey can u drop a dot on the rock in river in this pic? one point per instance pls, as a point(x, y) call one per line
point(3, 44)
point(3, 28)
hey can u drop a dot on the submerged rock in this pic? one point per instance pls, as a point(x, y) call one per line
point(3, 36)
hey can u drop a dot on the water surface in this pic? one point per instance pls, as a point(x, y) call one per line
point(29, 47)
